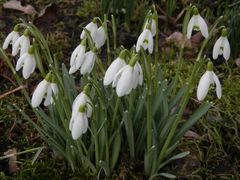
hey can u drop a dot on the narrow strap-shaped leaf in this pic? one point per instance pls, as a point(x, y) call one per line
point(116, 146)
point(192, 120)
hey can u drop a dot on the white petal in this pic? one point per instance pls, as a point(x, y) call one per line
point(15, 37)
point(20, 61)
point(39, 93)
point(29, 66)
point(74, 55)
point(154, 27)
point(150, 42)
point(202, 26)
point(226, 49)
point(218, 85)
point(140, 78)
point(140, 40)
point(216, 47)
point(135, 76)
point(190, 26)
point(112, 70)
point(25, 44)
point(16, 46)
point(71, 123)
point(203, 85)
point(78, 126)
point(117, 76)
point(80, 57)
point(92, 28)
point(48, 96)
point(88, 63)
point(55, 91)
point(85, 124)
point(124, 85)
point(100, 37)
point(8, 40)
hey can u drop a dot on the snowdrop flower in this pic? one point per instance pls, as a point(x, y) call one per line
point(45, 89)
point(208, 78)
point(22, 44)
point(82, 99)
point(222, 46)
point(92, 28)
point(27, 62)
point(128, 77)
point(77, 57)
point(100, 37)
point(153, 24)
point(79, 123)
point(11, 38)
point(88, 62)
point(116, 65)
point(145, 40)
point(197, 23)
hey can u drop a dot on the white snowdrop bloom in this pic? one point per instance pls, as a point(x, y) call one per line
point(88, 62)
point(222, 46)
point(127, 78)
point(100, 37)
point(208, 78)
point(92, 28)
point(11, 38)
point(115, 66)
point(153, 26)
point(137, 75)
point(45, 89)
point(22, 44)
point(197, 23)
point(77, 57)
point(27, 62)
point(145, 40)
point(79, 123)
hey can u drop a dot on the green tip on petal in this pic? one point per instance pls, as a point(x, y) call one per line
point(94, 49)
point(210, 66)
point(82, 108)
point(86, 89)
point(26, 32)
point(16, 28)
point(133, 60)
point(48, 77)
point(84, 42)
point(195, 10)
point(31, 50)
point(224, 32)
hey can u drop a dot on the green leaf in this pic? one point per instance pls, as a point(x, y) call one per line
point(37, 154)
point(150, 159)
point(192, 120)
point(105, 167)
point(116, 146)
point(178, 96)
point(180, 155)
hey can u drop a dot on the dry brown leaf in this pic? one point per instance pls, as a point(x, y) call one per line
point(12, 162)
point(237, 61)
point(178, 39)
point(192, 135)
point(16, 5)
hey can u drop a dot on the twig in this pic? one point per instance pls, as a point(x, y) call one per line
point(12, 91)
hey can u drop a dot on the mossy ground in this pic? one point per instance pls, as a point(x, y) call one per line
point(215, 151)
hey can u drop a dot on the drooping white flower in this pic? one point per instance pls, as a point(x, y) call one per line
point(128, 77)
point(27, 62)
point(92, 28)
point(22, 44)
point(222, 46)
point(88, 62)
point(197, 23)
point(79, 123)
point(45, 89)
point(145, 40)
point(208, 78)
point(116, 65)
point(153, 25)
point(100, 37)
point(77, 57)
point(81, 110)
point(11, 38)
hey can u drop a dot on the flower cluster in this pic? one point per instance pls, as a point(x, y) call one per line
point(221, 47)
point(85, 60)
point(21, 43)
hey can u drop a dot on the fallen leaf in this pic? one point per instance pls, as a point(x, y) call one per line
point(12, 162)
point(192, 135)
point(16, 5)
point(237, 61)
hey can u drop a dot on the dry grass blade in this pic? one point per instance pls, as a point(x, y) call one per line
point(12, 91)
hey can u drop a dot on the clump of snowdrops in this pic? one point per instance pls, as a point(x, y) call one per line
point(125, 105)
